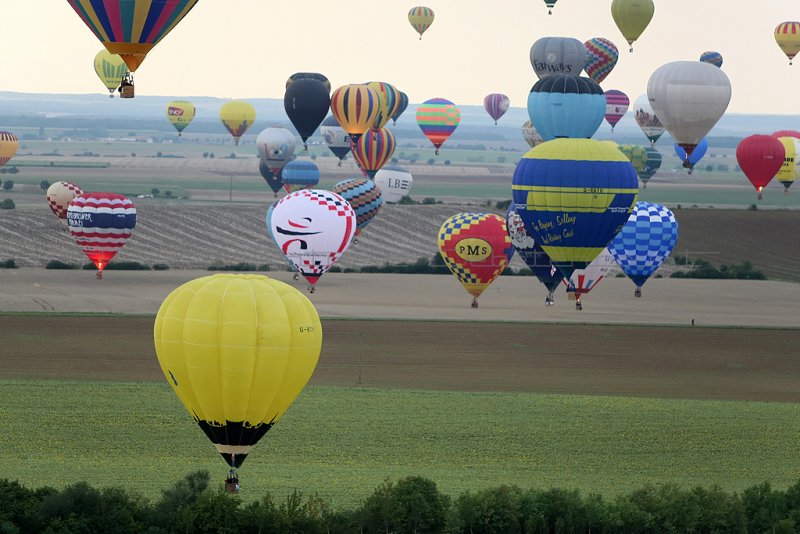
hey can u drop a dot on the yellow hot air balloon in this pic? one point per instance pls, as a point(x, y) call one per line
point(237, 116)
point(421, 18)
point(180, 113)
point(355, 107)
point(237, 350)
point(632, 17)
point(787, 35)
point(110, 68)
point(388, 102)
point(8, 147)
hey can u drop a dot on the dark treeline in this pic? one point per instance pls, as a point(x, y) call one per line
point(410, 505)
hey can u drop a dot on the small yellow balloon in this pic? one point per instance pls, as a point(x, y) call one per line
point(180, 113)
point(8, 147)
point(420, 18)
point(237, 116)
point(787, 35)
point(237, 349)
point(110, 68)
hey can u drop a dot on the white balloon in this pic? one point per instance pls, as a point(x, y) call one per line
point(689, 97)
point(275, 147)
point(394, 182)
point(583, 280)
point(557, 55)
point(646, 119)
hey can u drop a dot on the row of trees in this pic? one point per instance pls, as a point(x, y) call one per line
point(411, 505)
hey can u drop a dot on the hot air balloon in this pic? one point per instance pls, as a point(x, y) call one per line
point(236, 349)
point(689, 161)
point(791, 162)
point(59, 195)
point(786, 133)
point(438, 118)
point(394, 182)
point(273, 180)
point(388, 102)
point(313, 228)
point(566, 105)
point(101, 224)
point(420, 18)
point(364, 196)
point(645, 242)
point(530, 134)
point(275, 146)
point(574, 195)
point(131, 28)
point(647, 120)
point(309, 76)
point(373, 150)
point(760, 157)
point(355, 107)
point(299, 174)
point(268, 220)
point(617, 104)
point(496, 105)
point(601, 57)
point(110, 68)
point(307, 101)
point(632, 17)
point(402, 104)
point(715, 58)
point(654, 160)
point(180, 113)
point(787, 35)
point(584, 280)
point(9, 144)
point(532, 254)
point(689, 97)
point(337, 140)
point(476, 248)
point(636, 154)
point(557, 55)
point(237, 116)
point(550, 4)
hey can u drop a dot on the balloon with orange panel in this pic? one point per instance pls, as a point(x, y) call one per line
point(59, 195)
point(476, 248)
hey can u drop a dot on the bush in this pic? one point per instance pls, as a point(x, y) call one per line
point(7, 204)
point(238, 267)
point(406, 200)
point(119, 266)
point(8, 264)
point(58, 264)
point(705, 270)
point(160, 267)
point(429, 200)
point(335, 269)
point(502, 204)
point(8, 185)
point(44, 185)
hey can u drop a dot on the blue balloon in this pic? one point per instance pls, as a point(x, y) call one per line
point(565, 105)
point(300, 173)
point(274, 182)
point(645, 242)
point(531, 253)
point(697, 154)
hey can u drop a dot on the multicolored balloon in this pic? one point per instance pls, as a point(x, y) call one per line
point(388, 102)
point(401, 106)
point(313, 228)
point(394, 182)
point(299, 174)
point(9, 144)
point(689, 97)
point(551, 56)
point(601, 57)
point(275, 146)
point(180, 114)
point(101, 224)
point(59, 195)
point(715, 58)
point(632, 17)
point(654, 160)
point(617, 104)
point(574, 195)
point(438, 118)
point(273, 180)
point(372, 150)
point(530, 135)
point(476, 248)
point(645, 242)
point(760, 158)
point(636, 154)
point(364, 196)
point(690, 160)
point(787, 35)
point(237, 116)
point(647, 120)
point(306, 102)
point(496, 105)
point(420, 18)
point(110, 68)
point(582, 281)
point(565, 105)
point(337, 140)
point(550, 4)
point(355, 107)
point(532, 254)
point(791, 163)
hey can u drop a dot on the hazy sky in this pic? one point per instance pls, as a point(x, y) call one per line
point(247, 48)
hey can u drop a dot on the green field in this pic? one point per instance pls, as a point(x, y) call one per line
point(343, 442)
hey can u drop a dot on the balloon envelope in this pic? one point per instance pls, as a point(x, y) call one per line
point(373, 149)
point(364, 196)
point(237, 349)
point(557, 55)
point(59, 195)
point(180, 114)
point(617, 104)
point(632, 17)
point(395, 183)
point(689, 161)
point(760, 157)
point(565, 105)
point(306, 102)
point(496, 105)
point(601, 57)
point(237, 116)
point(300, 173)
point(275, 146)
point(530, 135)
point(337, 140)
point(388, 102)
point(438, 118)
point(715, 58)
point(647, 119)
point(273, 180)
point(101, 224)
point(584, 280)
point(110, 68)
point(531, 253)
point(401, 106)
point(420, 18)
point(791, 162)
point(355, 107)
point(787, 35)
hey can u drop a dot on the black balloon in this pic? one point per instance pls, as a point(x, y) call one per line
point(274, 182)
point(306, 102)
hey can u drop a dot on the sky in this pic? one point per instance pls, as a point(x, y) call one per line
point(247, 48)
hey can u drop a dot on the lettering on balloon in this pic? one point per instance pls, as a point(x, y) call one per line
point(473, 249)
point(552, 67)
point(566, 218)
point(175, 112)
point(75, 218)
point(306, 329)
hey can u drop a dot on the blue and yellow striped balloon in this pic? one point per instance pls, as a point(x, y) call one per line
point(574, 195)
point(364, 196)
point(373, 150)
point(355, 107)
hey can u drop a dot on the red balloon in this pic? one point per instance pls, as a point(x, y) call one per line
point(760, 157)
point(786, 133)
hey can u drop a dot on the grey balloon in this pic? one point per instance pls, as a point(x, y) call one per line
point(558, 55)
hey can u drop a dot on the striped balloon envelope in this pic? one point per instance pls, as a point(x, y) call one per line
point(110, 68)
point(364, 196)
point(602, 56)
point(787, 35)
point(636, 154)
point(476, 248)
point(645, 242)
point(532, 254)
point(59, 195)
point(565, 105)
point(550, 5)
point(438, 118)
point(420, 18)
point(574, 195)
point(402, 104)
point(101, 224)
point(584, 280)
point(9, 144)
point(715, 58)
point(496, 105)
point(791, 162)
point(654, 160)
point(373, 150)
point(388, 102)
point(355, 107)
point(617, 104)
point(299, 174)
